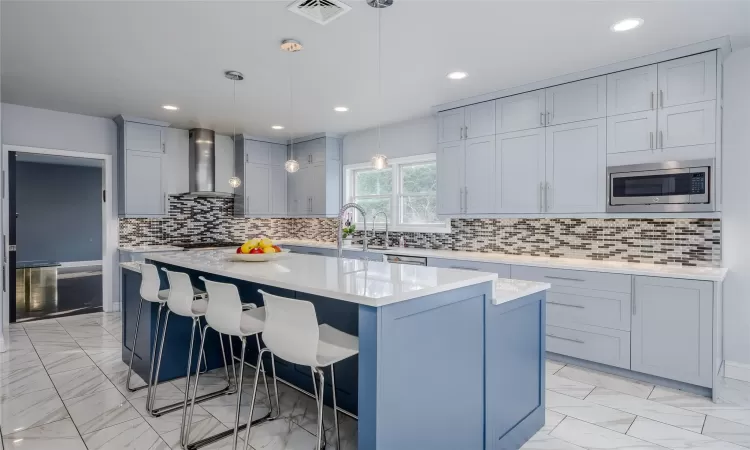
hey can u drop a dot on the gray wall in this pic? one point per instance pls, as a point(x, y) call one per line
point(59, 212)
point(410, 138)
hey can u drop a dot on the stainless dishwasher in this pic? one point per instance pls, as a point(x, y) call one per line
point(411, 260)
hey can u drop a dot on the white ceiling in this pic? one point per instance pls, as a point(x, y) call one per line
point(109, 58)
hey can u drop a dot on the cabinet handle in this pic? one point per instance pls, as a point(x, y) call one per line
point(547, 117)
point(461, 200)
point(564, 278)
point(565, 304)
point(466, 132)
point(577, 341)
point(166, 209)
point(661, 139)
point(466, 199)
point(661, 98)
point(652, 100)
point(541, 202)
point(164, 147)
point(651, 140)
point(466, 268)
point(546, 197)
point(632, 295)
point(541, 118)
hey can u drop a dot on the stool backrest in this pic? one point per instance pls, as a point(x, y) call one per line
point(150, 283)
point(291, 330)
point(180, 298)
point(224, 307)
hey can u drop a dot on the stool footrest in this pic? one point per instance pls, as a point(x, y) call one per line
point(157, 412)
point(219, 436)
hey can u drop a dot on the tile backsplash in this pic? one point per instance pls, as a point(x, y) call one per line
point(690, 242)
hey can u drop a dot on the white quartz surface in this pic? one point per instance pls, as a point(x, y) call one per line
point(148, 248)
point(654, 270)
point(364, 282)
point(507, 290)
point(134, 266)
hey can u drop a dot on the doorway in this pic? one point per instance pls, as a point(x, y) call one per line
point(58, 256)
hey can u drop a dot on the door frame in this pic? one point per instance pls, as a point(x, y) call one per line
point(110, 230)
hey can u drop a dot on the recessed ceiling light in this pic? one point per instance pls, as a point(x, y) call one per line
point(277, 127)
point(457, 75)
point(627, 24)
point(341, 109)
point(170, 107)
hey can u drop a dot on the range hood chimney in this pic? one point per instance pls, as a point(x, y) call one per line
point(202, 164)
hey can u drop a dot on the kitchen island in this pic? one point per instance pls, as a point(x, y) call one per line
point(448, 358)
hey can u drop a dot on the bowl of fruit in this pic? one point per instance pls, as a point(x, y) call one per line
point(258, 250)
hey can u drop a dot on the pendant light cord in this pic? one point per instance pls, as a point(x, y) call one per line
point(291, 113)
point(380, 83)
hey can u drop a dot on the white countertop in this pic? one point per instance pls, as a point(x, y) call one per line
point(654, 270)
point(353, 280)
point(148, 248)
point(134, 266)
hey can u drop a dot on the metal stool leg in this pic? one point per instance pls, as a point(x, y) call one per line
point(252, 400)
point(132, 352)
point(152, 392)
point(265, 378)
point(315, 391)
point(239, 396)
point(275, 389)
point(153, 357)
point(185, 437)
point(321, 430)
point(335, 409)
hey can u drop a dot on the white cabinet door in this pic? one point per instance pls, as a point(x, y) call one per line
point(578, 101)
point(632, 90)
point(672, 329)
point(302, 152)
point(224, 164)
point(278, 188)
point(480, 120)
point(631, 132)
point(520, 112)
point(144, 138)
point(450, 125)
point(687, 80)
point(479, 197)
point(144, 184)
point(316, 189)
point(257, 194)
point(257, 151)
point(277, 154)
point(293, 202)
point(519, 171)
point(691, 124)
point(576, 155)
point(451, 159)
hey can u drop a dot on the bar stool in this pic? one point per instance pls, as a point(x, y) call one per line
point(150, 292)
point(226, 315)
point(292, 333)
point(182, 302)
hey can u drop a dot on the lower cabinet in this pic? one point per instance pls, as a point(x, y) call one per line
point(503, 270)
point(597, 344)
point(672, 333)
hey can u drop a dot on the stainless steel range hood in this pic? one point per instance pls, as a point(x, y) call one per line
point(202, 164)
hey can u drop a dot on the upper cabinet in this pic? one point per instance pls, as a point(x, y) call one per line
point(687, 80)
point(465, 123)
point(141, 180)
point(578, 101)
point(315, 189)
point(519, 171)
point(520, 112)
point(260, 167)
point(632, 90)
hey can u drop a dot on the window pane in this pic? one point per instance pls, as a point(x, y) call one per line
point(373, 205)
point(419, 209)
point(373, 182)
point(419, 178)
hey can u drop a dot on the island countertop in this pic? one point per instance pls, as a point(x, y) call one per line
point(353, 280)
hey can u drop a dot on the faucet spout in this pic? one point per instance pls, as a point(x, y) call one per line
point(386, 226)
point(340, 240)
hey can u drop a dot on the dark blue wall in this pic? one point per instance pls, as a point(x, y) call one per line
point(59, 212)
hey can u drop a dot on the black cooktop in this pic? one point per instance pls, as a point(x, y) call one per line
point(198, 245)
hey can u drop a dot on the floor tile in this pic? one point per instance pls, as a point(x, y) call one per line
point(96, 319)
point(200, 430)
point(589, 412)
point(98, 410)
point(30, 379)
point(608, 381)
point(282, 434)
point(87, 332)
point(733, 391)
point(109, 361)
point(32, 410)
point(551, 367)
point(551, 420)
point(590, 436)
point(134, 434)
point(167, 394)
point(78, 382)
point(119, 379)
point(568, 387)
point(224, 408)
point(18, 359)
point(44, 335)
point(701, 405)
point(100, 342)
point(727, 431)
point(675, 438)
point(60, 435)
point(66, 360)
point(542, 441)
point(46, 348)
point(660, 412)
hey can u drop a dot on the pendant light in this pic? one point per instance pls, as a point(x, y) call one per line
point(379, 161)
point(291, 46)
point(235, 76)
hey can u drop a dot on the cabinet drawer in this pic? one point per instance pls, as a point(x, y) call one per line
point(311, 250)
point(611, 347)
point(503, 270)
point(574, 278)
point(571, 307)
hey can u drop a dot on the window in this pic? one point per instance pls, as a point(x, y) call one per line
point(406, 191)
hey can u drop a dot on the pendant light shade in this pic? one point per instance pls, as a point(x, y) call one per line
point(291, 166)
point(235, 182)
point(379, 161)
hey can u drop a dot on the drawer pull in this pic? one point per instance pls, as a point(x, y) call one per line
point(577, 341)
point(564, 278)
point(565, 304)
point(464, 268)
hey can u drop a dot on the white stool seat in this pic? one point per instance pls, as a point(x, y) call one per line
point(164, 293)
point(200, 306)
point(252, 321)
point(335, 345)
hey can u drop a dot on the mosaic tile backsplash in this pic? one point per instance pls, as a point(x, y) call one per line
point(689, 242)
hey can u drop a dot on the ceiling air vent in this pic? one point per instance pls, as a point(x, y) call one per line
point(320, 11)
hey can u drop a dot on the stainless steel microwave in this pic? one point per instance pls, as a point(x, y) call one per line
point(670, 186)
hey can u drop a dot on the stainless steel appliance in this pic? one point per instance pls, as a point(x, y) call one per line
point(411, 260)
point(671, 186)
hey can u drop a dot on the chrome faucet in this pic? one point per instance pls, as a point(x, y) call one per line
point(386, 226)
point(340, 240)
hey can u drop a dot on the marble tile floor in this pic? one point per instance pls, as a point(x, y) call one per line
point(62, 386)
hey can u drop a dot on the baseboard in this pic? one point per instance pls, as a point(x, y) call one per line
point(81, 263)
point(737, 370)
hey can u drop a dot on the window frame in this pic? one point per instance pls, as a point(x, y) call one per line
point(394, 216)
